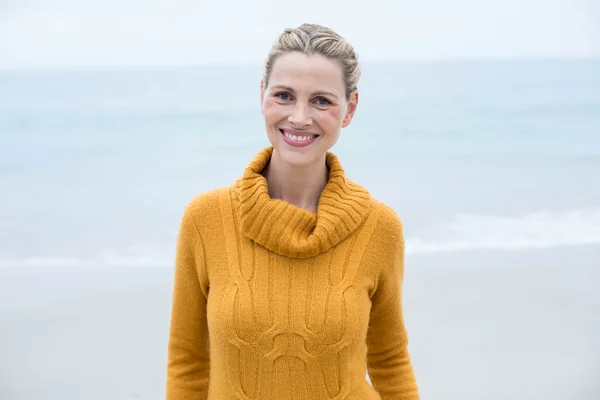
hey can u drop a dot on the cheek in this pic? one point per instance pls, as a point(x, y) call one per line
point(271, 109)
point(269, 102)
point(334, 114)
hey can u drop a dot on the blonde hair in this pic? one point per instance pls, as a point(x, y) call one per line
point(316, 39)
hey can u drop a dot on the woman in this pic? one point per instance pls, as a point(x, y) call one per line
point(288, 282)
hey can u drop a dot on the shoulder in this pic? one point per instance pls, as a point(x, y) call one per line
point(388, 219)
point(387, 238)
point(389, 223)
point(205, 202)
point(203, 209)
point(389, 226)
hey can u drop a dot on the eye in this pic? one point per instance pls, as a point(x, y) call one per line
point(322, 101)
point(283, 95)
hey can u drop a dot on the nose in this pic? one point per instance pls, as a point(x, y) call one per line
point(300, 115)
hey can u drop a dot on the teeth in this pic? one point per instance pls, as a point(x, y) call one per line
point(298, 138)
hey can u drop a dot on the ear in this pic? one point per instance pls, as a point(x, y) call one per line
point(350, 109)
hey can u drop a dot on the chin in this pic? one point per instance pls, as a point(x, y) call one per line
point(298, 158)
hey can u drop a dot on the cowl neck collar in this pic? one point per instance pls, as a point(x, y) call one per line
point(292, 231)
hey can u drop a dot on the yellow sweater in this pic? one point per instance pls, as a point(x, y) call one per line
point(274, 302)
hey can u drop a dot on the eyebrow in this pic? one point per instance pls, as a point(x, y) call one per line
point(320, 92)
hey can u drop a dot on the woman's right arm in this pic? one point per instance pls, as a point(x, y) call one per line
point(188, 345)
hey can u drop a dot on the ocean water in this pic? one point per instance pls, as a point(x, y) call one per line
point(97, 166)
point(494, 168)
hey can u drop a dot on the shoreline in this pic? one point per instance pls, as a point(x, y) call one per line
point(520, 323)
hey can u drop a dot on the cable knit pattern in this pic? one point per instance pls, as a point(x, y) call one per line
point(275, 302)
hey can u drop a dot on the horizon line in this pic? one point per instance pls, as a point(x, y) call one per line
point(242, 64)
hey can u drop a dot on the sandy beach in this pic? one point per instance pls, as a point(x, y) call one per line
point(483, 325)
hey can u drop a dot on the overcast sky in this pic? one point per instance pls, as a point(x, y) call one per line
point(71, 33)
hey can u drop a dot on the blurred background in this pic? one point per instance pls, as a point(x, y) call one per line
point(478, 122)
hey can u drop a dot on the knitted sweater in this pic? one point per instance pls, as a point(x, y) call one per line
point(272, 301)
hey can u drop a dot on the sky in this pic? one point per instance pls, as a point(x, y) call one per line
point(40, 34)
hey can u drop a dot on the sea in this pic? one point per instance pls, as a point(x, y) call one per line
point(96, 166)
point(493, 167)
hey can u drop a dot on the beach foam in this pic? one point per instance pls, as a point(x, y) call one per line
point(540, 229)
point(464, 232)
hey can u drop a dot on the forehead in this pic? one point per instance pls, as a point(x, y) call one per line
point(307, 73)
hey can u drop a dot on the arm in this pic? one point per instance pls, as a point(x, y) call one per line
point(389, 362)
point(188, 350)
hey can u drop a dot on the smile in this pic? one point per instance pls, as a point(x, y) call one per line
point(297, 139)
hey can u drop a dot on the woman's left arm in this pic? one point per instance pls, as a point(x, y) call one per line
point(389, 362)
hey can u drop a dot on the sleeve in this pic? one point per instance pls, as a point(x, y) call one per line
point(389, 362)
point(188, 344)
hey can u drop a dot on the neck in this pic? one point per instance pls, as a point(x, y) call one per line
point(300, 186)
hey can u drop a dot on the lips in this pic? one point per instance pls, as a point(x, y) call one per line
point(298, 138)
point(299, 134)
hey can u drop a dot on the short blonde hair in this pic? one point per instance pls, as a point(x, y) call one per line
point(316, 39)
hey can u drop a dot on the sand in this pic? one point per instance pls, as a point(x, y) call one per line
point(482, 325)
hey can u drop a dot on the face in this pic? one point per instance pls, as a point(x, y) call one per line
point(305, 107)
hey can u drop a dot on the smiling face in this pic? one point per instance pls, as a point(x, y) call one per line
point(305, 107)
